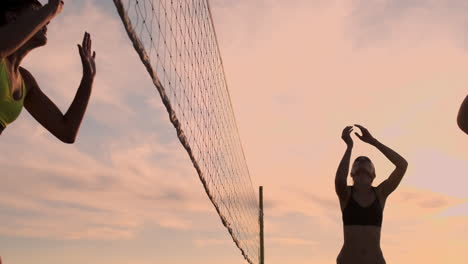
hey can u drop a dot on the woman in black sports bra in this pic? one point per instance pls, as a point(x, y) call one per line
point(362, 204)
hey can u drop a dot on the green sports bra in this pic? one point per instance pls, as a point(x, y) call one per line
point(10, 108)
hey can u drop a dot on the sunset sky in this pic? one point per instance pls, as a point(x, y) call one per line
point(298, 71)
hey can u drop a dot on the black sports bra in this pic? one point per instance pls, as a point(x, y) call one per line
point(354, 214)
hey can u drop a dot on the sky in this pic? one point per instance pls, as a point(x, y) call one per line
point(298, 73)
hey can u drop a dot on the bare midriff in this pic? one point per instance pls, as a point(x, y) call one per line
point(361, 245)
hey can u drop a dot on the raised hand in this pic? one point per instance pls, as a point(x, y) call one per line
point(366, 135)
point(55, 7)
point(346, 136)
point(89, 65)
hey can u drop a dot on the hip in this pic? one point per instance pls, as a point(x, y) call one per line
point(361, 255)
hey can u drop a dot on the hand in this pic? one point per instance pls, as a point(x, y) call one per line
point(89, 66)
point(55, 7)
point(346, 136)
point(366, 135)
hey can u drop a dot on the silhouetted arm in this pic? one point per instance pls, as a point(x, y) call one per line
point(343, 168)
point(64, 127)
point(462, 119)
point(390, 184)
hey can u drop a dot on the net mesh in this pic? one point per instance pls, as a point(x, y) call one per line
point(177, 43)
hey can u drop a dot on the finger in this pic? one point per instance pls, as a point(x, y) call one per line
point(359, 136)
point(84, 40)
point(94, 55)
point(90, 48)
point(80, 50)
point(361, 127)
point(87, 42)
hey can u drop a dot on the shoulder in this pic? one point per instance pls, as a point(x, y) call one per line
point(380, 194)
point(28, 79)
point(25, 73)
point(344, 200)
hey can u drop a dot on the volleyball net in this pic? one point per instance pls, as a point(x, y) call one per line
point(176, 41)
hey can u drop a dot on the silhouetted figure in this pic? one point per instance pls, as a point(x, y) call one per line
point(362, 204)
point(23, 27)
point(462, 119)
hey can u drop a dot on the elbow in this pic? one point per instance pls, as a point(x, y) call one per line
point(68, 133)
point(68, 140)
point(403, 166)
point(68, 137)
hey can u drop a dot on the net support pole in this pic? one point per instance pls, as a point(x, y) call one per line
point(260, 218)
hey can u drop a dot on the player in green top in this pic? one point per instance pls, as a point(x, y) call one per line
point(23, 27)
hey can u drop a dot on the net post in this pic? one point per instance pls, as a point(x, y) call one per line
point(260, 218)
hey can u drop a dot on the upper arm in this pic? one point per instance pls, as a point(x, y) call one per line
point(341, 188)
point(43, 109)
point(390, 184)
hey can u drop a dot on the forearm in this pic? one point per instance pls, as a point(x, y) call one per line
point(394, 157)
point(18, 32)
point(75, 113)
point(343, 168)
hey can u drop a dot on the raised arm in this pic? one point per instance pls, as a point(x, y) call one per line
point(390, 184)
point(64, 127)
point(17, 32)
point(343, 168)
point(462, 119)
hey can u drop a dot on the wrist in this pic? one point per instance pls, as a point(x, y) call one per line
point(88, 77)
point(374, 142)
point(87, 80)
